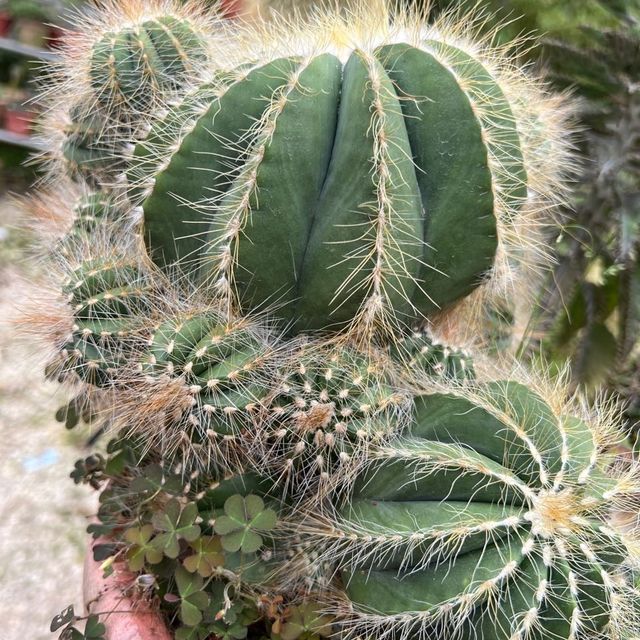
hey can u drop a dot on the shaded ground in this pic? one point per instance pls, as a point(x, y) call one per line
point(42, 513)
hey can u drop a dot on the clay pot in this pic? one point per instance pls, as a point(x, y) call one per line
point(124, 612)
point(5, 23)
point(19, 120)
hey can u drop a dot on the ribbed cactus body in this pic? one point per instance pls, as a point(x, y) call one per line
point(135, 64)
point(336, 190)
point(89, 149)
point(332, 406)
point(93, 212)
point(421, 353)
point(225, 370)
point(488, 521)
point(107, 298)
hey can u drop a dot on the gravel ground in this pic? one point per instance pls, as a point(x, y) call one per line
point(42, 513)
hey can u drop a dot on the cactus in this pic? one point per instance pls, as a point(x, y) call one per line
point(132, 64)
point(107, 297)
point(331, 407)
point(369, 206)
point(490, 520)
point(87, 149)
point(264, 212)
point(206, 380)
point(130, 57)
point(411, 194)
point(423, 353)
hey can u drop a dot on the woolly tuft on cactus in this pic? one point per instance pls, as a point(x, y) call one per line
point(490, 519)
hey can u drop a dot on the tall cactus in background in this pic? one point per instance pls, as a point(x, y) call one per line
point(281, 236)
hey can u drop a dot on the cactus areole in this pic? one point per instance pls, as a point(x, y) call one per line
point(337, 188)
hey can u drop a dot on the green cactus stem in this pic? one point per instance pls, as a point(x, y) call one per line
point(107, 297)
point(421, 353)
point(489, 521)
point(371, 186)
point(133, 65)
point(213, 374)
point(90, 149)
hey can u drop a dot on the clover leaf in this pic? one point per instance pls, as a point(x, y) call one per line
point(207, 556)
point(193, 600)
point(175, 523)
point(64, 617)
point(154, 479)
point(94, 629)
point(194, 633)
point(306, 621)
point(235, 631)
point(243, 518)
point(142, 550)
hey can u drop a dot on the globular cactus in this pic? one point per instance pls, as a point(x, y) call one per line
point(107, 299)
point(153, 55)
point(89, 150)
point(129, 57)
point(489, 520)
point(205, 380)
point(411, 193)
point(422, 352)
point(332, 406)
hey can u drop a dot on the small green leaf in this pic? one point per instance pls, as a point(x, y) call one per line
point(64, 617)
point(306, 621)
point(235, 631)
point(190, 614)
point(193, 599)
point(244, 540)
point(142, 549)
point(94, 629)
point(243, 518)
point(207, 556)
point(175, 523)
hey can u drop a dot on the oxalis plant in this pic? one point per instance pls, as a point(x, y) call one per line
point(270, 247)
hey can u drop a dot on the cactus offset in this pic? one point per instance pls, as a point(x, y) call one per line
point(204, 381)
point(333, 405)
point(422, 352)
point(107, 298)
point(490, 520)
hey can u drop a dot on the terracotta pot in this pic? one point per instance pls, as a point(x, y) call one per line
point(19, 121)
point(125, 614)
point(5, 24)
